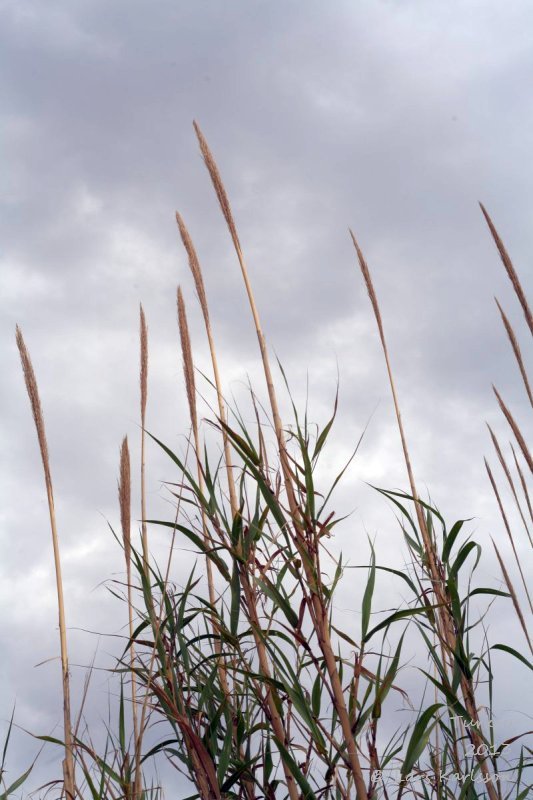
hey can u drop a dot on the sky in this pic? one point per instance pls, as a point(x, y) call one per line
point(393, 119)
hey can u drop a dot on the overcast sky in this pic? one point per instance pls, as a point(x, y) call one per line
point(393, 118)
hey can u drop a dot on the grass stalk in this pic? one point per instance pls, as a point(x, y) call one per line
point(196, 271)
point(143, 385)
point(223, 200)
point(447, 632)
point(188, 369)
point(143, 336)
point(33, 393)
point(124, 494)
point(318, 611)
point(190, 386)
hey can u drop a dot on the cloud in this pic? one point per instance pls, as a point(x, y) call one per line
point(392, 119)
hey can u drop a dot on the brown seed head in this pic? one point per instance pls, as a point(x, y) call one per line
point(33, 394)
point(188, 366)
point(217, 184)
point(369, 286)
point(194, 265)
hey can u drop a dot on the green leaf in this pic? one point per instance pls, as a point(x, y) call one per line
point(14, 786)
point(225, 756)
point(398, 615)
point(235, 599)
point(245, 447)
point(325, 432)
point(274, 594)
point(396, 572)
point(308, 474)
point(197, 540)
point(121, 724)
point(316, 696)
point(367, 597)
point(419, 737)
point(450, 539)
point(463, 555)
point(515, 653)
point(495, 592)
point(268, 762)
point(296, 771)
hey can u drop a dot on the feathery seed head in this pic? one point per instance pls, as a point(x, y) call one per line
point(218, 184)
point(36, 409)
point(194, 265)
point(188, 366)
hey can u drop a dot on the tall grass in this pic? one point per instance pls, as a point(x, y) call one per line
point(244, 679)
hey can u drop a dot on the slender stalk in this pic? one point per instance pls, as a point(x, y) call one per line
point(228, 216)
point(188, 370)
point(33, 393)
point(150, 672)
point(447, 634)
point(319, 613)
point(124, 495)
point(194, 265)
point(143, 335)
point(428, 545)
point(143, 382)
point(244, 578)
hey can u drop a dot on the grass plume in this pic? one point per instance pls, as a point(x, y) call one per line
point(124, 497)
point(309, 562)
point(35, 402)
point(446, 631)
point(511, 272)
point(196, 271)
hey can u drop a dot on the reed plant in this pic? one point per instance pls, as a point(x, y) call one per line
point(244, 678)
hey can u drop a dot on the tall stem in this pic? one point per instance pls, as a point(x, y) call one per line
point(447, 634)
point(33, 393)
point(144, 397)
point(320, 616)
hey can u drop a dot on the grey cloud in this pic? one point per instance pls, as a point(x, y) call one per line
point(392, 120)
